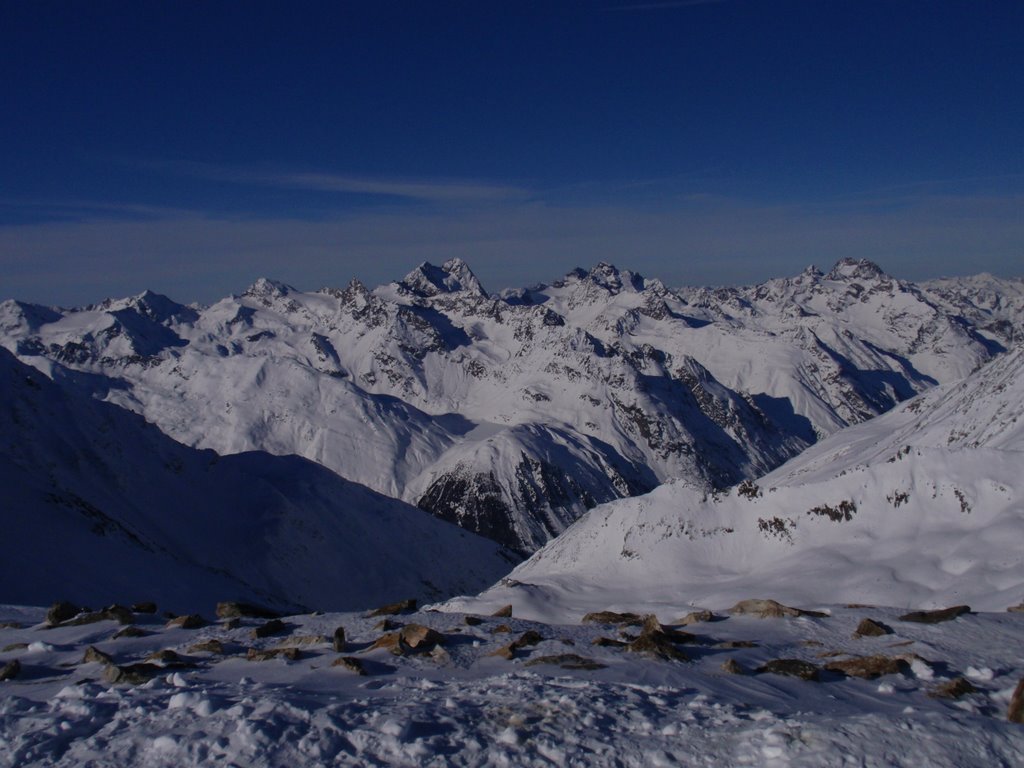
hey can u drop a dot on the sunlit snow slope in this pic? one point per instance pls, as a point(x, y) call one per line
point(923, 506)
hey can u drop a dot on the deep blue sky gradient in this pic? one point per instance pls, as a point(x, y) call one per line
point(192, 147)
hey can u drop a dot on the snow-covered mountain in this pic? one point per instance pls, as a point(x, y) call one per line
point(101, 507)
point(922, 506)
point(511, 415)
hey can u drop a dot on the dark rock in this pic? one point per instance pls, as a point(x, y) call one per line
point(420, 638)
point(953, 689)
point(501, 629)
point(350, 663)
point(729, 644)
point(733, 667)
point(473, 621)
point(120, 614)
point(232, 624)
point(236, 610)
point(95, 655)
point(192, 621)
point(868, 667)
point(405, 606)
point(871, 628)
point(10, 625)
point(790, 668)
point(607, 642)
point(1015, 713)
point(338, 640)
point(10, 670)
point(14, 647)
point(61, 611)
point(166, 656)
point(658, 645)
point(130, 631)
point(254, 654)
point(504, 612)
point(132, 674)
point(146, 607)
point(528, 638)
point(207, 646)
point(272, 627)
point(1016, 608)
point(611, 617)
point(566, 661)
point(386, 625)
point(770, 609)
point(934, 617)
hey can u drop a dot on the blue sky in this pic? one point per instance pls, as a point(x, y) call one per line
point(190, 147)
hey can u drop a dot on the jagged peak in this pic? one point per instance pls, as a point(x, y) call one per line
point(454, 276)
point(861, 269)
point(264, 287)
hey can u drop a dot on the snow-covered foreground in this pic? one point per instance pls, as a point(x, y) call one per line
point(460, 705)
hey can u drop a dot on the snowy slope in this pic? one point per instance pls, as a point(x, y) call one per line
point(471, 405)
point(101, 507)
point(923, 506)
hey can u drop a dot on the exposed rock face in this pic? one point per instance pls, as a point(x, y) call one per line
point(791, 668)
point(696, 617)
point(504, 612)
point(393, 609)
point(61, 611)
point(770, 609)
point(936, 617)
point(611, 617)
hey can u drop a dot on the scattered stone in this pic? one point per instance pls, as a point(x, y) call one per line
point(611, 617)
point(146, 607)
point(934, 617)
point(566, 661)
point(10, 625)
point(10, 670)
point(386, 625)
point(132, 674)
point(858, 606)
point(94, 655)
point(831, 654)
point(871, 628)
point(811, 643)
point(394, 608)
point(236, 610)
point(14, 647)
point(505, 612)
point(1011, 609)
point(953, 689)
point(790, 668)
point(729, 644)
point(501, 629)
point(1015, 713)
point(392, 642)
point(770, 609)
point(191, 621)
point(117, 613)
point(658, 645)
point(869, 667)
point(130, 631)
point(607, 642)
point(60, 612)
point(696, 617)
point(351, 663)
point(420, 638)
point(338, 640)
point(733, 667)
point(207, 646)
point(473, 621)
point(440, 655)
point(254, 654)
point(272, 627)
point(528, 638)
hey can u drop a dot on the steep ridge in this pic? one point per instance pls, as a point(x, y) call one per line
point(100, 506)
point(470, 405)
point(923, 506)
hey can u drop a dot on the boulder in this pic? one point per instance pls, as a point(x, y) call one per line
point(130, 631)
point(770, 609)
point(657, 645)
point(237, 610)
point(790, 668)
point(935, 617)
point(14, 647)
point(1015, 713)
point(10, 670)
point(351, 663)
point(255, 654)
point(871, 628)
point(192, 621)
point(953, 689)
point(730, 644)
point(338, 640)
point(420, 638)
point(505, 612)
point(60, 612)
point(473, 621)
point(696, 617)
point(132, 674)
point(733, 667)
point(267, 629)
point(566, 661)
point(528, 638)
point(393, 609)
point(94, 655)
point(207, 646)
point(1016, 608)
point(166, 656)
point(868, 667)
point(611, 617)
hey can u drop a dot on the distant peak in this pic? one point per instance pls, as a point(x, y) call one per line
point(265, 287)
point(811, 270)
point(861, 269)
point(454, 276)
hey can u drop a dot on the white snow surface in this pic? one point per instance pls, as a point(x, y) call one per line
point(920, 507)
point(464, 707)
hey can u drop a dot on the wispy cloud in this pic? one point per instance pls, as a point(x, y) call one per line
point(433, 190)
